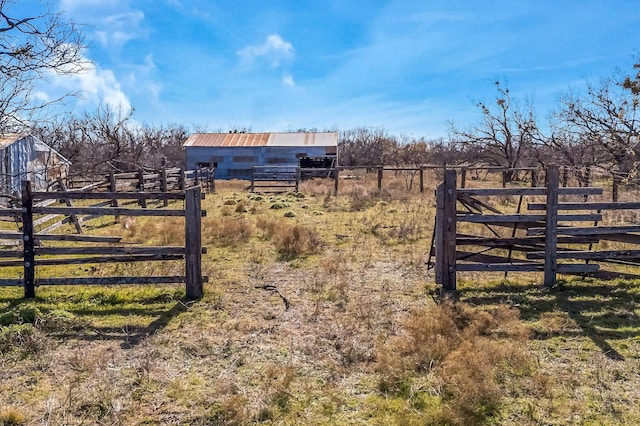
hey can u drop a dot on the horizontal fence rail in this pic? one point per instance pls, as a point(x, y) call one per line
point(546, 240)
point(169, 179)
point(35, 254)
point(275, 178)
point(163, 180)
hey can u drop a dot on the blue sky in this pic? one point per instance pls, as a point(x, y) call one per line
point(409, 66)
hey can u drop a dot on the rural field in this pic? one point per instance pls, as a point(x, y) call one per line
point(319, 309)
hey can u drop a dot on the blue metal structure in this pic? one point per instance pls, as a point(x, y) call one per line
point(233, 155)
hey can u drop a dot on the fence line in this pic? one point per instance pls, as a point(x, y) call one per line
point(547, 238)
point(275, 178)
point(283, 178)
point(34, 255)
point(162, 180)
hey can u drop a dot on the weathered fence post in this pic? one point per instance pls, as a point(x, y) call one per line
point(143, 202)
point(446, 232)
point(298, 178)
point(212, 179)
point(193, 243)
point(113, 187)
point(615, 186)
point(587, 181)
point(380, 173)
point(27, 240)
point(565, 176)
point(199, 177)
point(463, 178)
point(421, 179)
point(336, 178)
point(72, 216)
point(253, 179)
point(551, 231)
point(163, 185)
point(182, 179)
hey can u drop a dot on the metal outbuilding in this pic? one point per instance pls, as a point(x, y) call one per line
point(233, 155)
point(25, 157)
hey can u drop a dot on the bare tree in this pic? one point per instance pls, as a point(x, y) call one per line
point(410, 154)
point(153, 147)
point(105, 140)
point(503, 135)
point(574, 151)
point(365, 146)
point(445, 152)
point(607, 116)
point(631, 84)
point(31, 49)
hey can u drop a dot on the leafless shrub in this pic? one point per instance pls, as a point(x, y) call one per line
point(22, 340)
point(268, 226)
point(353, 342)
point(227, 231)
point(466, 349)
point(278, 382)
point(170, 231)
point(334, 268)
point(296, 240)
point(290, 240)
point(360, 198)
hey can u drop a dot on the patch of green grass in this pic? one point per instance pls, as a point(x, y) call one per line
point(94, 305)
point(20, 315)
point(22, 340)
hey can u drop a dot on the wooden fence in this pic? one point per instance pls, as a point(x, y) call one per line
point(288, 178)
point(163, 180)
point(111, 250)
point(275, 178)
point(414, 176)
point(542, 239)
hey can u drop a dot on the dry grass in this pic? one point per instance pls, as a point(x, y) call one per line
point(465, 353)
point(12, 417)
point(226, 231)
point(361, 340)
point(291, 240)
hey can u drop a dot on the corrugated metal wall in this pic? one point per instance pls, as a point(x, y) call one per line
point(30, 159)
point(237, 162)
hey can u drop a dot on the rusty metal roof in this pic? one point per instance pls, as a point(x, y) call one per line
point(263, 139)
point(227, 139)
point(9, 138)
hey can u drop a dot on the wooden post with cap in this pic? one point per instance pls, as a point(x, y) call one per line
point(446, 232)
point(27, 241)
point(193, 243)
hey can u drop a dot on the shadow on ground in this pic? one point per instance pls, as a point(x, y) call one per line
point(76, 322)
point(603, 311)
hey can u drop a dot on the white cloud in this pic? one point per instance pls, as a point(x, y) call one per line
point(148, 61)
point(69, 5)
point(287, 80)
point(155, 89)
point(96, 85)
point(274, 49)
point(118, 38)
point(42, 96)
point(119, 29)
